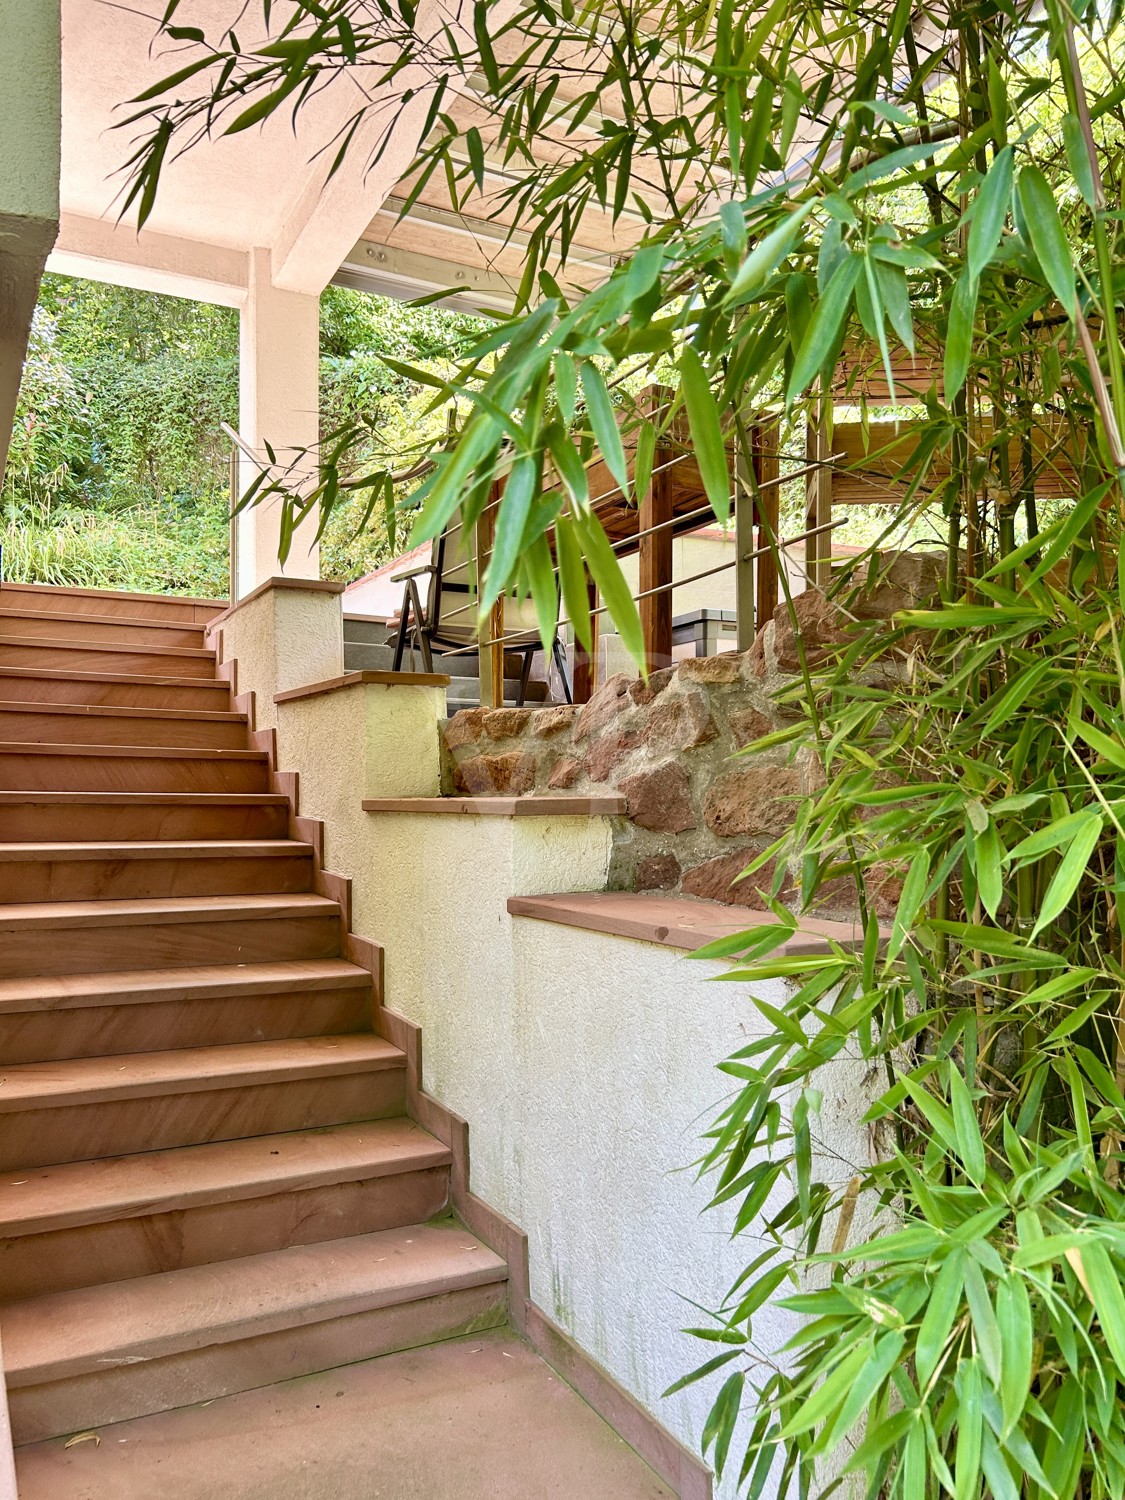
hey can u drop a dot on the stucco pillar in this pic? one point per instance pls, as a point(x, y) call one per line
point(30, 126)
point(278, 405)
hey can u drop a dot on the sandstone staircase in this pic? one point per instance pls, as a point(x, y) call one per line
point(208, 1179)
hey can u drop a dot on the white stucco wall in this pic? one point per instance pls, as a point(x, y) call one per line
point(284, 637)
point(585, 1064)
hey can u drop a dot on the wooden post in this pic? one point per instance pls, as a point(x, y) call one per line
point(655, 559)
point(490, 656)
point(586, 663)
point(767, 470)
point(818, 501)
point(743, 546)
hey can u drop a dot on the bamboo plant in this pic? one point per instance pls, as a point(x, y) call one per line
point(805, 177)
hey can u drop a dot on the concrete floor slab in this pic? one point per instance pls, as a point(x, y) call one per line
point(482, 1418)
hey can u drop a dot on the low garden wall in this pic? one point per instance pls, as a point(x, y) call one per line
point(697, 810)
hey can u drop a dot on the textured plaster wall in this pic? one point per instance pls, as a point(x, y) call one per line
point(30, 108)
point(30, 126)
point(283, 638)
point(617, 1043)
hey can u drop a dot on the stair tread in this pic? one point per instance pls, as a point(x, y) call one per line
point(157, 752)
point(151, 799)
point(122, 648)
point(119, 679)
point(158, 849)
point(129, 986)
point(120, 1187)
point(112, 711)
point(85, 1080)
point(164, 909)
point(9, 611)
point(71, 1333)
point(56, 590)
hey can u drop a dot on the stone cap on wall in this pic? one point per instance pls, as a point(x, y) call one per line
point(501, 807)
point(675, 922)
point(308, 585)
point(357, 679)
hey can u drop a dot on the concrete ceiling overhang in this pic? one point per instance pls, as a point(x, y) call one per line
point(267, 187)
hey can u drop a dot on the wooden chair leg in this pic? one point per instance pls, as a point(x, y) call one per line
point(559, 656)
point(403, 629)
point(525, 675)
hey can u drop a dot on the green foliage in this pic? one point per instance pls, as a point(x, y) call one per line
point(118, 473)
point(809, 183)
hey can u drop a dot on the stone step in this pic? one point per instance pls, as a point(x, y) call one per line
point(50, 817)
point(359, 657)
point(135, 871)
point(83, 937)
point(106, 602)
point(155, 1010)
point(89, 1222)
point(86, 1358)
point(57, 625)
point(129, 768)
point(40, 683)
point(367, 630)
point(101, 656)
point(90, 724)
point(89, 1107)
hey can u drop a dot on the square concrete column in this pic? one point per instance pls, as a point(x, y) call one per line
point(279, 405)
point(30, 123)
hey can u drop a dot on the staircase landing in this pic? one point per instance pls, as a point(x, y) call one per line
point(478, 1418)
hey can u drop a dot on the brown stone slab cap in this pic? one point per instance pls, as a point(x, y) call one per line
point(502, 807)
point(673, 921)
point(357, 679)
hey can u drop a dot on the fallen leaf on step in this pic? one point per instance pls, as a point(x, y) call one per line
point(83, 1437)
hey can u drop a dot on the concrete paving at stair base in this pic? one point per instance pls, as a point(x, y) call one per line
point(481, 1418)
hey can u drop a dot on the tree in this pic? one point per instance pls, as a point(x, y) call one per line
point(810, 179)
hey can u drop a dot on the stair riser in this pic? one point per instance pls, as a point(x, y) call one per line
point(85, 602)
point(64, 658)
point(164, 945)
point(368, 655)
point(131, 879)
point(30, 822)
point(89, 1401)
point(31, 1265)
point(117, 1127)
point(189, 695)
point(109, 773)
point(163, 1026)
point(98, 729)
point(87, 632)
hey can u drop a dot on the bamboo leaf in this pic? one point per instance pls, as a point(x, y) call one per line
point(603, 420)
point(970, 1146)
point(706, 432)
point(990, 211)
point(1071, 869)
point(959, 334)
point(1048, 239)
point(1013, 1315)
point(1078, 157)
point(827, 318)
point(1103, 1283)
point(969, 1429)
point(941, 1312)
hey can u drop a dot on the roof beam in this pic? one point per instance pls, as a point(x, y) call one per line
point(103, 251)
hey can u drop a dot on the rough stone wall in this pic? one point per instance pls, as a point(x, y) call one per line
point(697, 810)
